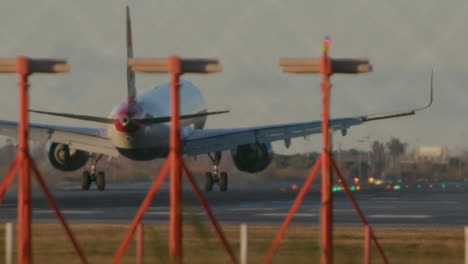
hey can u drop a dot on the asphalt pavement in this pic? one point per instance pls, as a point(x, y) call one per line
point(119, 203)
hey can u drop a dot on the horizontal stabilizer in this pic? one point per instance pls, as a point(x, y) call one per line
point(106, 120)
point(79, 117)
point(156, 120)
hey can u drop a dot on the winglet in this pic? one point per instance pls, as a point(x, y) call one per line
point(431, 97)
point(403, 113)
point(131, 88)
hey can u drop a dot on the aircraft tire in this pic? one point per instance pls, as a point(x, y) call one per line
point(223, 181)
point(208, 181)
point(85, 180)
point(101, 181)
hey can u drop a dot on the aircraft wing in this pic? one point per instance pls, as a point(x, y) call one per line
point(213, 140)
point(79, 138)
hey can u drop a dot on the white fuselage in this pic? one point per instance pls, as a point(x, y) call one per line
point(149, 141)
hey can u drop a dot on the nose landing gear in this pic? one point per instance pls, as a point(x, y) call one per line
point(91, 176)
point(221, 178)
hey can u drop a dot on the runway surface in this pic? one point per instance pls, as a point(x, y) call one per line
point(118, 204)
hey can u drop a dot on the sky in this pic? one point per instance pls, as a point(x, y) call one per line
point(403, 40)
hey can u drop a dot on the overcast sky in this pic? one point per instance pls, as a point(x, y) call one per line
point(403, 40)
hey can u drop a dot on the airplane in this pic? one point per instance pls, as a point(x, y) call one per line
point(138, 129)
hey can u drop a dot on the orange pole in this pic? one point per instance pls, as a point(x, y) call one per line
point(201, 199)
point(379, 248)
point(24, 212)
point(141, 212)
point(326, 66)
point(361, 216)
point(56, 209)
point(175, 67)
point(349, 194)
point(326, 212)
point(10, 176)
point(140, 244)
point(175, 218)
point(293, 210)
point(23, 163)
point(24, 185)
point(367, 244)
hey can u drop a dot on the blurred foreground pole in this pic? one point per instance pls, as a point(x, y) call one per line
point(326, 66)
point(367, 244)
point(23, 163)
point(326, 210)
point(466, 244)
point(175, 66)
point(139, 244)
point(243, 243)
point(9, 243)
point(175, 181)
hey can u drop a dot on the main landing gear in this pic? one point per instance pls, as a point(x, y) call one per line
point(91, 175)
point(216, 177)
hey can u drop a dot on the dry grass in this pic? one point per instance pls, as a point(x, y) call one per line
point(99, 241)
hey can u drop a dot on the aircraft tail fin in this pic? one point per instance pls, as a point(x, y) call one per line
point(131, 88)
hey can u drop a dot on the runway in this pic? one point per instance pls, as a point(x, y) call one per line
point(118, 204)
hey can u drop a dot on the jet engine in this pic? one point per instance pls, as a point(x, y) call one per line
point(62, 158)
point(252, 157)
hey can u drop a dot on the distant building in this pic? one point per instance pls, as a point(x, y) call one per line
point(437, 154)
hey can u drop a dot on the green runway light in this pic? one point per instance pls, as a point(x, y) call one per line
point(443, 185)
point(353, 188)
point(396, 187)
point(418, 186)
